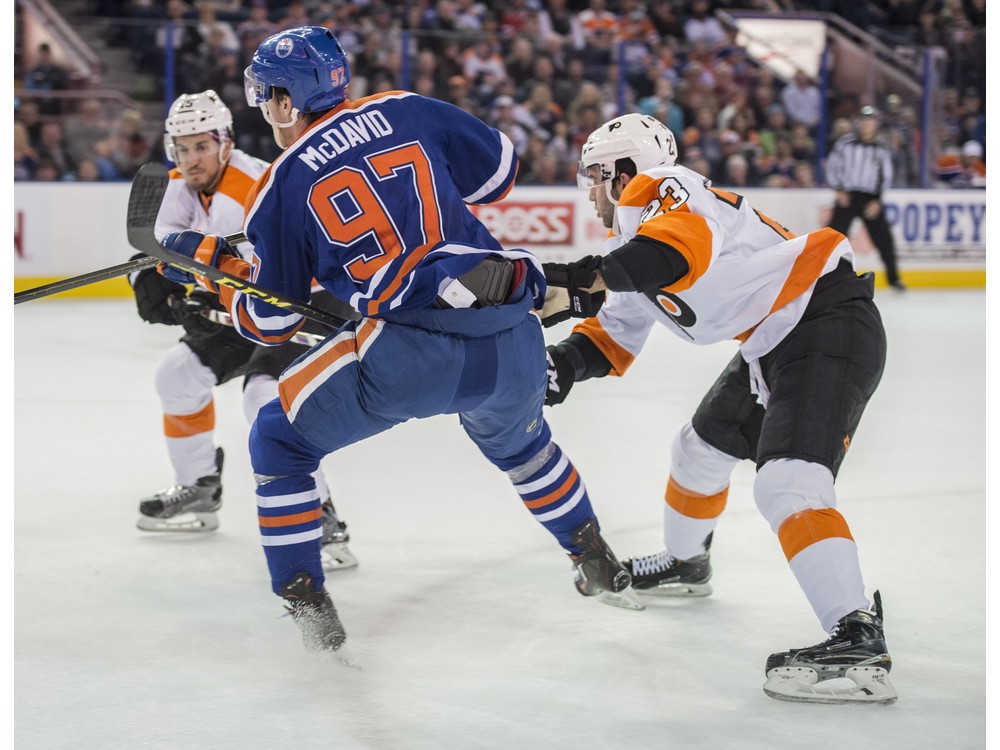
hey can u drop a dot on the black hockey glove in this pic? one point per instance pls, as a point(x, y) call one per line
point(191, 313)
point(153, 295)
point(576, 278)
point(561, 377)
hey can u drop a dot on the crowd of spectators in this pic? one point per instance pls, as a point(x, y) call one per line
point(545, 73)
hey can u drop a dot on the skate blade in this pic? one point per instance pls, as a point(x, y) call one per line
point(336, 556)
point(858, 685)
point(189, 522)
point(626, 599)
point(678, 589)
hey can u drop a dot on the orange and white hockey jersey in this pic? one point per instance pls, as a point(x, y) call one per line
point(750, 279)
point(221, 213)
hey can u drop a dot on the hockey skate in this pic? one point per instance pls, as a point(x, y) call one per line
point(314, 613)
point(851, 667)
point(598, 572)
point(664, 575)
point(192, 507)
point(334, 552)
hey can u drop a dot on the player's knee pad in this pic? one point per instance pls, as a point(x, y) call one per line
point(789, 485)
point(697, 466)
point(183, 383)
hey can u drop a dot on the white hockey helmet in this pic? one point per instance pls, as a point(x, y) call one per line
point(191, 114)
point(641, 138)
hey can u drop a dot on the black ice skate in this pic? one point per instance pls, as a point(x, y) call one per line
point(598, 572)
point(852, 666)
point(664, 575)
point(191, 507)
point(314, 613)
point(334, 552)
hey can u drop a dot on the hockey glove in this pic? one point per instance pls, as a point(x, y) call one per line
point(561, 377)
point(203, 248)
point(192, 313)
point(154, 295)
point(571, 292)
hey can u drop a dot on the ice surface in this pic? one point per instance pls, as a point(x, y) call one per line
point(463, 622)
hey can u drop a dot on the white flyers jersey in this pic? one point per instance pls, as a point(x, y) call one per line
point(749, 278)
point(220, 213)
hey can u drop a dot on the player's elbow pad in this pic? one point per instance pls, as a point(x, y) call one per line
point(642, 264)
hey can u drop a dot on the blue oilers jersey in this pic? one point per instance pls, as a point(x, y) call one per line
point(371, 201)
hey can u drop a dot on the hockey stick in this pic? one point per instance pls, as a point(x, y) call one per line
point(92, 277)
point(225, 319)
point(148, 188)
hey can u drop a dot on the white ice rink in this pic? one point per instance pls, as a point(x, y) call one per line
point(462, 619)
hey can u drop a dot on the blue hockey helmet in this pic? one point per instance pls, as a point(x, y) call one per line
point(307, 61)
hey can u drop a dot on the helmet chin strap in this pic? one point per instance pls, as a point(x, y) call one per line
point(272, 123)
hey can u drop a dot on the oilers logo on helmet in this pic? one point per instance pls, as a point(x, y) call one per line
point(308, 62)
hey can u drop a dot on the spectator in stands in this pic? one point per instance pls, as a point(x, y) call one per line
point(662, 106)
point(775, 127)
point(47, 75)
point(803, 144)
point(52, 148)
point(47, 171)
point(504, 118)
point(296, 14)
point(185, 42)
point(255, 28)
point(802, 100)
point(556, 20)
point(735, 172)
point(129, 147)
point(28, 114)
point(482, 61)
point(544, 112)
point(85, 128)
point(805, 175)
point(973, 169)
point(520, 60)
point(25, 157)
point(87, 171)
point(703, 27)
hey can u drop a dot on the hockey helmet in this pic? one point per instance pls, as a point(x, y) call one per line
point(191, 114)
point(307, 61)
point(641, 138)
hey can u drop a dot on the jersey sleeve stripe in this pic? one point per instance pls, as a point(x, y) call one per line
point(619, 357)
point(503, 176)
point(690, 235)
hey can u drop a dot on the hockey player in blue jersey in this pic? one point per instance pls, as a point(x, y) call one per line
point(369, 198)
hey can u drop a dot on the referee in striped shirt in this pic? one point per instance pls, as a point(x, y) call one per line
point(859, 168)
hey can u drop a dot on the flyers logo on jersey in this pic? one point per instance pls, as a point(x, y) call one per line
point(675, 308)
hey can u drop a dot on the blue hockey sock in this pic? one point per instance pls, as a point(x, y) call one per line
point(554, 493)
point(291, 527)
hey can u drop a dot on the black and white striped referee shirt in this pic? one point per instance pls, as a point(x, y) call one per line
point(858, 167)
